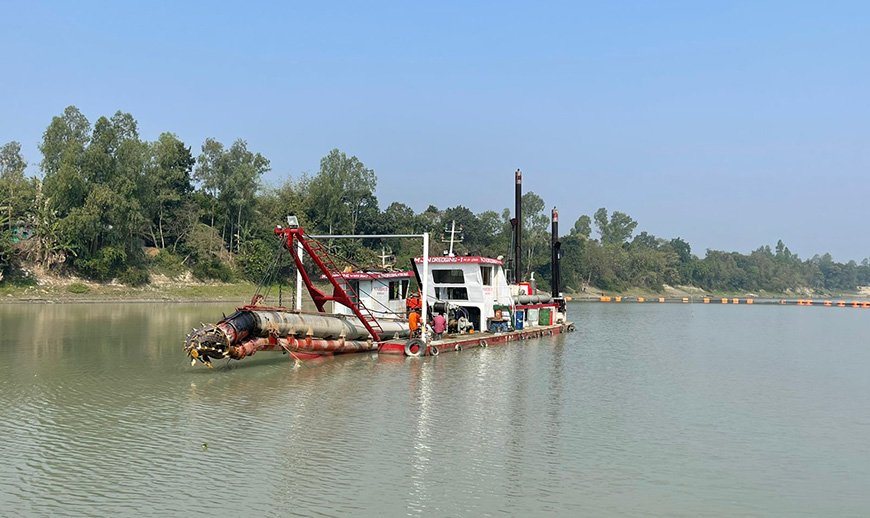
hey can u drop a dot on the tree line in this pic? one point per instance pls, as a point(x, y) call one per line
point(109, 205)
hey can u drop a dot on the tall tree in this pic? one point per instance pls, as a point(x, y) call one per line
point(104, 227)
point(63, 147)
point(231, 177)
point(617, 229)
point(399, 219)
point(274, 205)
point(245, 171)
point(12, 182)
point(582, 227)
point(212, 172)
point(169, 178)
point(12, 163)
point(341, 192)
point(535, 236)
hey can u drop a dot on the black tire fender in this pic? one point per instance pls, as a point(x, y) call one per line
point(414, 347)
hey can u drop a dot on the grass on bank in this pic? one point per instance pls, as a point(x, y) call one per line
point(85, 292)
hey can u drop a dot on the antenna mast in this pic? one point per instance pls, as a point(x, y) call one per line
point(452, 239)
point(384, 256)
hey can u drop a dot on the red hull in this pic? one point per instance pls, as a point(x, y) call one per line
point(459, 342)
point(313, 348)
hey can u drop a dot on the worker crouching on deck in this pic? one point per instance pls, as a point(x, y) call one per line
point(439, 325)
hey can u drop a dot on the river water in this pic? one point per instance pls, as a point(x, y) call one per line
point(646, 410)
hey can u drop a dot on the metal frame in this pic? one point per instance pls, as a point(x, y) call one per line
point(321, 298)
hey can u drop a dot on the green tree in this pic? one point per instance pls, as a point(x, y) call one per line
point(275, 204)
point(399, 219)
point(617, 229)
point(47, 247)
point(63, 147)
point(231, 178)
point(12, 164)
point(104, 228)
point(6, 248)
point(685, 258)
point(212, 172)
point(536, 237)
point(246, 170)
point(16, 193)
point(582, 227)
point(340, 193)
point(169, 183)
point(255, 259)
point(645, 240)
point(496, 234)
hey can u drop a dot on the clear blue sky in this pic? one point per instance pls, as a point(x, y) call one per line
point(730, 124)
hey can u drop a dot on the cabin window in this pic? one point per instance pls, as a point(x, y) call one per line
point(451, 293)
point(486, 275)
point(448, 277)
point(398, 289)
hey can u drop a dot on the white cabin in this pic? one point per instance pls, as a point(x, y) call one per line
point(474, 283)
point(383, 293)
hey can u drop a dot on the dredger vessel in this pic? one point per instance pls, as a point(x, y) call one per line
point(479, 302)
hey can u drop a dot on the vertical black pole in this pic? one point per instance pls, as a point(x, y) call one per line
point(556, 245)
point(518, 242)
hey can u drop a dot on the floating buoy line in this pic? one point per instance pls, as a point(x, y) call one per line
point(863, 304)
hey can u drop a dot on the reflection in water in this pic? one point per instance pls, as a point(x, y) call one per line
point(644, 411)
point(424, 438)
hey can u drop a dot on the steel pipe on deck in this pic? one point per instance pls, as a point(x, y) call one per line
point(284, 323)
point(533, 299)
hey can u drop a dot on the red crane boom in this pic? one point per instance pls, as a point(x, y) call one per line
point(342, 291)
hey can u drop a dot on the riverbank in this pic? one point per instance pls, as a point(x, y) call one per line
point(59, 290)
point(77, 291)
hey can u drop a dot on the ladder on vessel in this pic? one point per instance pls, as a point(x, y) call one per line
point(343, 291)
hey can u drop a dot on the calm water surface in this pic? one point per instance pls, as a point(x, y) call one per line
point(647, 410)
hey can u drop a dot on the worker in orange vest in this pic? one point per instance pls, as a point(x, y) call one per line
point(414, 322)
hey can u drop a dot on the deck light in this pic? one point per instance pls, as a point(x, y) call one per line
point(292, 221)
